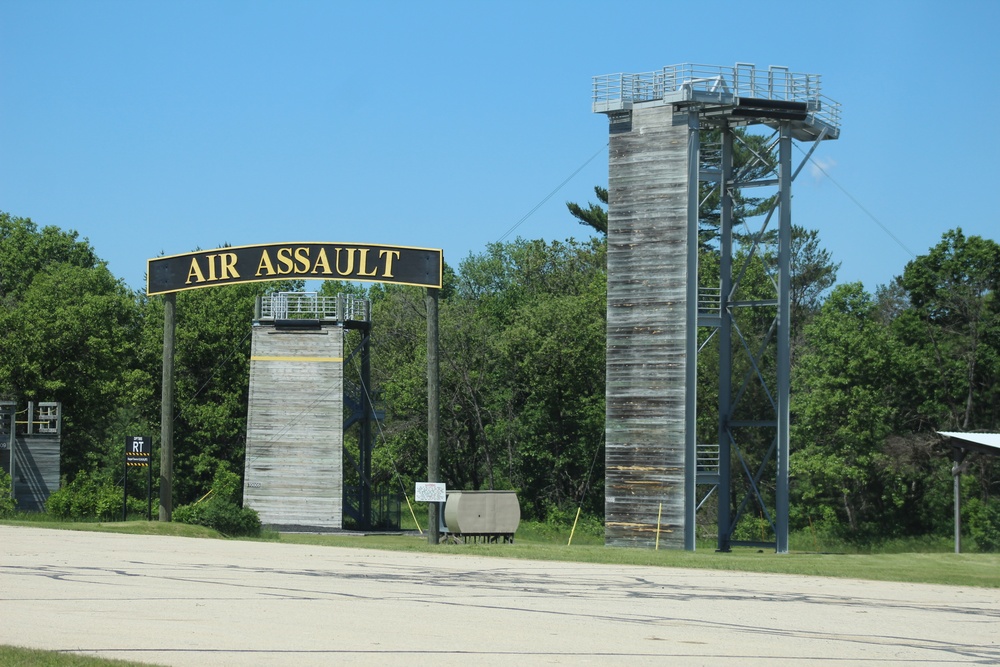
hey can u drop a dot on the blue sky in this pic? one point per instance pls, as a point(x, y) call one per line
point(160, 127)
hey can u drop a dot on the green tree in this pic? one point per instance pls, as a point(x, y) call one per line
point(753, 159)
point(68, 329)
point(945, 315)
point(522, 370)
point(814, 273)
point(25, 250)
point(595, 215)
point(953, 331)
point(399, 376)
point(211, 378)
point(842, 476)
point(6, 501)
point(555, 355)
point(545, 305)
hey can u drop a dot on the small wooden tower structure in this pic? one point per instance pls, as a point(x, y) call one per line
point(295, 422)
point(29, 451)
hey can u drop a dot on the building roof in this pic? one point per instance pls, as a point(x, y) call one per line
point(987, 443)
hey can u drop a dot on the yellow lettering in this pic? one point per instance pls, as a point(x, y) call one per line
point(195, 272)
point(211, 267)
point(227, 266)
point(350, 262)
point(389, 255)
point(362, 268)
point(302, 259)
point(322, 261)
point(285, 260)
point(265, 264)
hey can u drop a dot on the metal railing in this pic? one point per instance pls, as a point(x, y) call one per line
point(611, 91)
point(710, 300)
point(312, 306)
point(708, 457)
point(49, 418)
point(7, 410)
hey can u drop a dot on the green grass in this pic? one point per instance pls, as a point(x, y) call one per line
point(127, 527)
point(12, 656)
point(933, 567)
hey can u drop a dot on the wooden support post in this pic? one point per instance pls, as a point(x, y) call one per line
point(433, 412)
point(365, 431)
point(958, 456)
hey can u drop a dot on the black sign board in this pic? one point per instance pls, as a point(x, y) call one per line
point(138, 449)
point(295, 261)
point(138, 452)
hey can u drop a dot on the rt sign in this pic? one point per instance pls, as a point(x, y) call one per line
point(138, 449)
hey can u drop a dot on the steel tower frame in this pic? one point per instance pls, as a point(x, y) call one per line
point(775, 385)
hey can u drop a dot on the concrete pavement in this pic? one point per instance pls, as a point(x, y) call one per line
point(182, 601)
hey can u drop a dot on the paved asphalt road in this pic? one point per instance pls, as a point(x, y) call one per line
point(181, 601)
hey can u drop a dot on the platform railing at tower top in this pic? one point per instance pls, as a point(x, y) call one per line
point(829, 111)
point(310, 305)
point(743, 80)
point(49, 418)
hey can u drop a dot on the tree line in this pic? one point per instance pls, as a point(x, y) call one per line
point(522, 331)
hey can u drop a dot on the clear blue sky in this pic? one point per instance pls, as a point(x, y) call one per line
point(158, 126)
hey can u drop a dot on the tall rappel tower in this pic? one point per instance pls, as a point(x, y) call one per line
point(673, 136)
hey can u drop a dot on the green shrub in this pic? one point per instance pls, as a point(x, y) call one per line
point(984, 524)
point(227, 484)
point(222, 515)
point(90, 496)
point(7, 505)
point(221, 510)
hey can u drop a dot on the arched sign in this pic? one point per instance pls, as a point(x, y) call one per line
point(422, 267)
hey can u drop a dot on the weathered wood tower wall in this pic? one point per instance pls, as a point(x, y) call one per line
point(36, 470)
point(295, 424)
point(651, 196)
point(30, 450)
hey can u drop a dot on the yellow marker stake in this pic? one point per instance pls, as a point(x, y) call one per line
point(658, 515)
point(412, 514)
point(573, 530)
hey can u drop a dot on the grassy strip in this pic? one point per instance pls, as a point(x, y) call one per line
point(918, 561)
point(13, 656)
point(125, 527)
point(981, 570)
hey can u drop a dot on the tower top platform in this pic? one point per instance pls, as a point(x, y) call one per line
point(739, 95)
point(290, 307)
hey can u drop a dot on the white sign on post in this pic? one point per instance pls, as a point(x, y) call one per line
point(430, 492)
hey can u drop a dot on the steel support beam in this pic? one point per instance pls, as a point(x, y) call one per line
point(365, 436)
point(958, 456)
point(433, 413)
point(778, 335)
point(691, 342)
point(725, 341)
point(784, 362)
